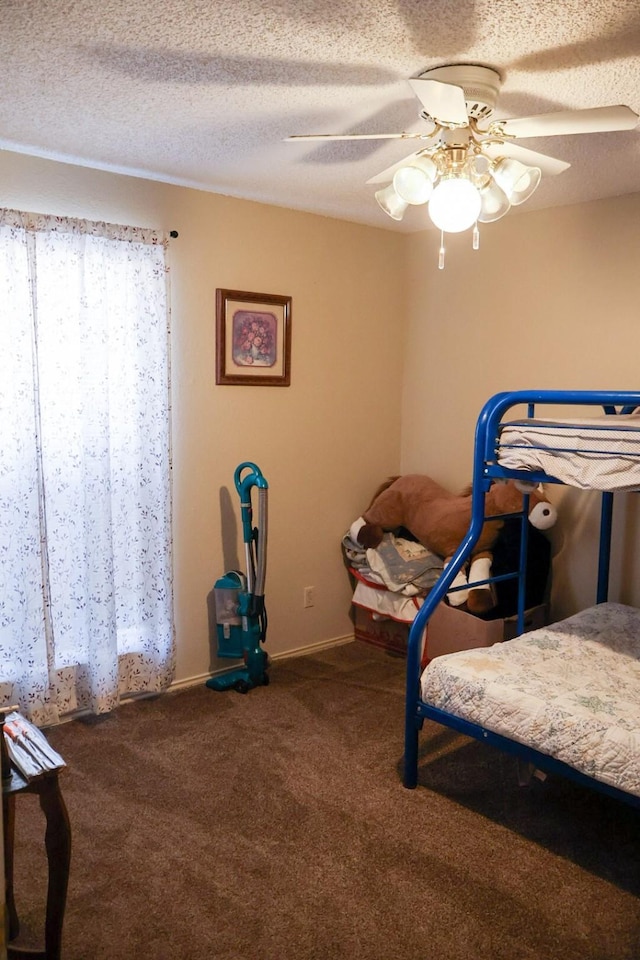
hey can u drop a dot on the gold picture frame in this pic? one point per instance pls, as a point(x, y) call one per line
point(253, 339)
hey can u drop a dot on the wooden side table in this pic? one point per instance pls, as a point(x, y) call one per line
point(58, 846)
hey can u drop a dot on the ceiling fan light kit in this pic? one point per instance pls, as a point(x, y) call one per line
point(471, 171)
point(461, 185)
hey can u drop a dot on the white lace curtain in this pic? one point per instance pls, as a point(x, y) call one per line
point(85, 505)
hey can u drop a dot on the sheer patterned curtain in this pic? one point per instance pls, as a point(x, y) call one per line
point(85, 507)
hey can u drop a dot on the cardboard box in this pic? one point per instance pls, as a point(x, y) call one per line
point(388, 634)
point(449, 630)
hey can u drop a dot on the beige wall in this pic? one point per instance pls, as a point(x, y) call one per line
point(392, 360)
point(549, 301)
point(323, 443)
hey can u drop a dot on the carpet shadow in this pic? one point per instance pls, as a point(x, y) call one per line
point(595, 832)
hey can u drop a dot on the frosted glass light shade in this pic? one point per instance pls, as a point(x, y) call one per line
point(455, 205)
point(391, 203)
point(480, 165)
point(517, 180)
point(414, 183)
point(494, 202)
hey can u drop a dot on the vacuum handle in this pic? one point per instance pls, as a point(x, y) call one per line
point(255, 541)
point(243, 486)
point(255, 478)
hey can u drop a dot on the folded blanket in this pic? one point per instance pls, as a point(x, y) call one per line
point(386, 605)
point(403, 566)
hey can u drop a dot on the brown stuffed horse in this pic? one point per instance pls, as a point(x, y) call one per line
point(440, 520)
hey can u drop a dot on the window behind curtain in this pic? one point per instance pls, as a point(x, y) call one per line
point(85, 507)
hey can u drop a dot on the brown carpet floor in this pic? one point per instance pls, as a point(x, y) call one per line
point(273, 826)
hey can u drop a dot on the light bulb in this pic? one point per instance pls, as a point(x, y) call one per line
point(454, 205)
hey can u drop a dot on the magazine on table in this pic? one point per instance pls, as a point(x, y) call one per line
point(27, 748)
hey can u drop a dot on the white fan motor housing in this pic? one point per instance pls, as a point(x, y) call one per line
point(480, 86)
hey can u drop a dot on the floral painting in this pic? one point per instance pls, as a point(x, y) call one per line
point(254, 338)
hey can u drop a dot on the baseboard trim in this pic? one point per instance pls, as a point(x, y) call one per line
point(203, 677)
point(313, 648)
point(284, 655)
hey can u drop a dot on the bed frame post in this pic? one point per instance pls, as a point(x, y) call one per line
point(411, 743)
point(606, 524)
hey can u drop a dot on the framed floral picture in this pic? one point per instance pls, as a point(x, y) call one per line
point(253, 339)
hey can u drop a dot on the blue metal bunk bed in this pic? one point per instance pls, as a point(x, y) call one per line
point(491, 453)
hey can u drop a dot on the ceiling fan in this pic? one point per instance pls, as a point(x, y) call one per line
point(468, 166)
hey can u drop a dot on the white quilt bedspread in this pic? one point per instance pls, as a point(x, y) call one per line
point(599, 453)
point(570, 690)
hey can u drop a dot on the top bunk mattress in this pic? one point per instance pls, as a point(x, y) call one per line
point(595, 453)
point(570, 690)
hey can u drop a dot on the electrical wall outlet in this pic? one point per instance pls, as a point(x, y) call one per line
point(309, 596)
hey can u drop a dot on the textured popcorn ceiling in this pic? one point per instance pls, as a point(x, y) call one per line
point(202, 92)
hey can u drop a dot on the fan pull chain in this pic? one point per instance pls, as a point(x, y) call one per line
point(476, 237)
point(441, 252)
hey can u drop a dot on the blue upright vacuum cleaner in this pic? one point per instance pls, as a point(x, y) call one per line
point(241, 616)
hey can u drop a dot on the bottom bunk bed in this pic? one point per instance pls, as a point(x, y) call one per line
point(564, 698)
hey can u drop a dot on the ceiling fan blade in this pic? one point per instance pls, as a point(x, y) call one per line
point(442, 101)
point(353, 136)
point(548, 165)
point(592, 120)
point(387, 174)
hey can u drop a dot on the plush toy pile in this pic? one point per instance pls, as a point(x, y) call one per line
point(439, 520)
